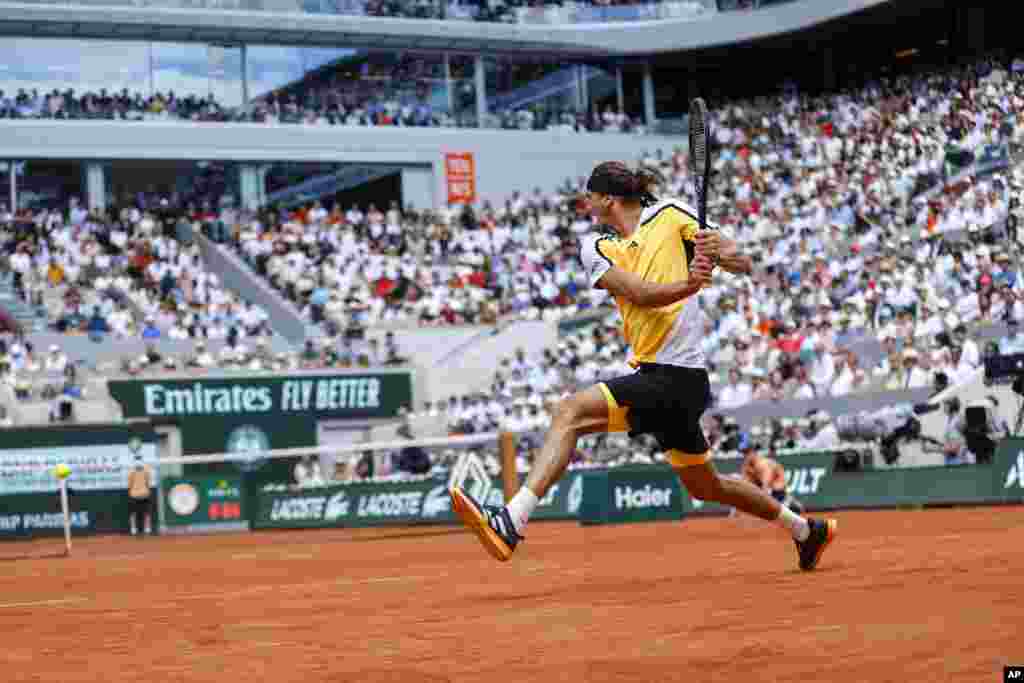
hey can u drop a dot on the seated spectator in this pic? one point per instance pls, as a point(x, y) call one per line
point(412, 459)
point(307, 472)
point(97, 326)
point(56, 360)
point(150, 329)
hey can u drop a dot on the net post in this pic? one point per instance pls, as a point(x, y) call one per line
point(67, 515)
point(509, 476)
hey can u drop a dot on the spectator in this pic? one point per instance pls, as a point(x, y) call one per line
point(307, 472)
point(140, 484)
point(412, 459)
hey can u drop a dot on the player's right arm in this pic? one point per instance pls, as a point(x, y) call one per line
point(604, 274)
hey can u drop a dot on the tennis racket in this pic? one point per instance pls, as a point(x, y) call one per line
point(700, 159)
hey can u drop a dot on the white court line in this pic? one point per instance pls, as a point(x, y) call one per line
point(40, 603)
point(252, 590)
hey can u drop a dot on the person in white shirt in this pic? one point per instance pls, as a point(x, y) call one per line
point(914, 376)
point(930, 323)
point(515, 418)
point(822, 370)
point(307, 472)
point(736, 393)
point(971, 354)
point(827, 435)
point(844, 380)
point(56, 360)
point(178, 330)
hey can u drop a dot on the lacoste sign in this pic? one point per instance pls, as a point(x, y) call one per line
point(310, 508)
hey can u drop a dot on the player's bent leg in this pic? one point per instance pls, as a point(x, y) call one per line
point(585, 412)
point(499, 528)
point(702, 480)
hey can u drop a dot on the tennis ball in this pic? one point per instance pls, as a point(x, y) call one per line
point(62, 471)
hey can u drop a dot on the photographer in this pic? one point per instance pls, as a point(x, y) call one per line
point(981, 430)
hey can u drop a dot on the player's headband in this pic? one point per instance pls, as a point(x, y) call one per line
point(610, 185)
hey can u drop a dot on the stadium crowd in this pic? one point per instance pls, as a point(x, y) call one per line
point(109, 106)
point(129, 273)
point(860, 225)
point(823, 186)
point(383, 92)
point(520, 11)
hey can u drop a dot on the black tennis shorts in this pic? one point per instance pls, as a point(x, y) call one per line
point(666, 401)
point(140, 506)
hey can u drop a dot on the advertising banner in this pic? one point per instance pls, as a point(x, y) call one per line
point(99, 457)
point(1008, 475)
point(259, 412)
point(204, 504)
point(628, 494)
point(255, 397)
point(645, 493)
point(38, 514)
point(460, 177)
point(417, 502)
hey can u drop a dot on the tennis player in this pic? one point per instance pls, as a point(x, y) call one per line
point(653, 265)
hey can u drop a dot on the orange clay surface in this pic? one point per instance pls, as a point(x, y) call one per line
point(900, 596)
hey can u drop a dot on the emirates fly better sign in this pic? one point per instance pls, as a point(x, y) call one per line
point(377, 394)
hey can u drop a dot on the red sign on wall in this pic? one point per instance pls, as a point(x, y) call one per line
point(460, 176)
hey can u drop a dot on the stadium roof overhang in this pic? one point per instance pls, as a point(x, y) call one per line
point(632, 39)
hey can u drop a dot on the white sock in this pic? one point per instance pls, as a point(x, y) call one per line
point(521, 507)
point(795, 523)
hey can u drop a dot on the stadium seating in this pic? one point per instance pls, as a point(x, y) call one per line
point(875, 216)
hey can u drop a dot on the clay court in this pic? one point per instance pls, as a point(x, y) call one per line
point(901, 596)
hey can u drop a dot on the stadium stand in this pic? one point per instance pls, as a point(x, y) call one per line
point(875, 214)
point(519, 11)
point(378, 91)
point(130, 273)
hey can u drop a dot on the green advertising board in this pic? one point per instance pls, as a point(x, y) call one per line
point(805, 474)
point(373, 504)
point(204, 503)
point(631, 494)
point(38, 514)
point(258, 412)
point(342, 395)
point(642, 493)
point(1008, 472)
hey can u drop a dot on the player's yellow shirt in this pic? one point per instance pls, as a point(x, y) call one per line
point(660, 250)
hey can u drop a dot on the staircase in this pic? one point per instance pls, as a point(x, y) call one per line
point(30, 319)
